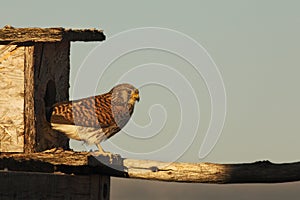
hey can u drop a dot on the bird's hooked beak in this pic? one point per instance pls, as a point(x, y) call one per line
point(136, 96)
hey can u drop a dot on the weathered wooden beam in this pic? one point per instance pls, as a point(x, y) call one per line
point(11, 35)
point(29, 104)
point(257, 172)
point(85, 163)
point(68, 162)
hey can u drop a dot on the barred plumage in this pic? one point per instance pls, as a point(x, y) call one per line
point(94, 119)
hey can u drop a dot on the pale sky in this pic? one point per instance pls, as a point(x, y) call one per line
point(255, 45)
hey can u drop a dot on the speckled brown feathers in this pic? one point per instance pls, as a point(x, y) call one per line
point(91, 112)
point(95, 118)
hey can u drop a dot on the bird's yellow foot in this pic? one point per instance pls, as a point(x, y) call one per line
point(104, 156)
point(102, 153)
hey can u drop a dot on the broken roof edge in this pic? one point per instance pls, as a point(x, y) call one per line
point(9, 34)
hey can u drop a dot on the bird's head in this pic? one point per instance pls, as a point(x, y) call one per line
point(124, 94)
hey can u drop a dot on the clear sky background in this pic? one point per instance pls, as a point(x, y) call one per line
point(255, 45)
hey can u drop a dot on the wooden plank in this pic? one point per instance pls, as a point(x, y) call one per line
point(51, 68)
point(84, 163)
point(12, 98)
point(12, 35)
point(29, 107)
point(257, 172)
point(83, 35)
point(21, 185)
point(67, 162)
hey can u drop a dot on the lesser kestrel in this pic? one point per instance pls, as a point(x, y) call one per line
point(96, 118)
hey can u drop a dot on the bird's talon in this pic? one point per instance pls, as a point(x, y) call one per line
point(104, 155)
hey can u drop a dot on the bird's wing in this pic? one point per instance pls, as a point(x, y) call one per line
point(87, 112)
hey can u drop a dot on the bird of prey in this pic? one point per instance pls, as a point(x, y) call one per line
point(96, 118)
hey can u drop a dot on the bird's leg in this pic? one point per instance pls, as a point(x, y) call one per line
point(100, 149)
point(102, 152)
point(107, 157)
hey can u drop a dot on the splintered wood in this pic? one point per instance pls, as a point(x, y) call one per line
point(11, 98)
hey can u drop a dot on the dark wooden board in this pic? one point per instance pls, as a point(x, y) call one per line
point(32, 185)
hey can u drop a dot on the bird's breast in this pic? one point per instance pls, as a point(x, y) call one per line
point(91, 135)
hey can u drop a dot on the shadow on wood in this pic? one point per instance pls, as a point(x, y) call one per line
point(84, 163)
